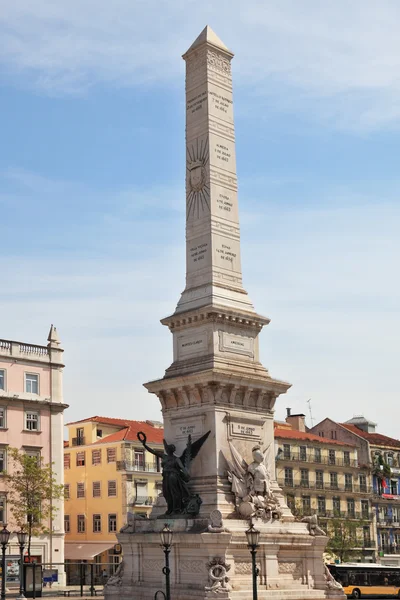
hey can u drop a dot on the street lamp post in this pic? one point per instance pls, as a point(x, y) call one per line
point(166, 542)
point(22, 536)
point(253, 537)
point(4, 537)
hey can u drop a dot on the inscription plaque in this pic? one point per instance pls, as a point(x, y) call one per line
point(239, 344)
point(191, 345)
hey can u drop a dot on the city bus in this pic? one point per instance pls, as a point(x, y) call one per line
point(363, 579)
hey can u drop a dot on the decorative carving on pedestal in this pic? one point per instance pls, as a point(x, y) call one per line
point(217, 572)
point(251, 485)
point(294, 568)
point(313, 526)
point(116, 579)
point(216, 525)
point(331, 582)
point(175, 475)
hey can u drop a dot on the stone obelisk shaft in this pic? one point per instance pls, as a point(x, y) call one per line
point(213, 266)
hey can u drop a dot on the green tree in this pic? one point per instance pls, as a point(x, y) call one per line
point(344, 537)
point(32, 490)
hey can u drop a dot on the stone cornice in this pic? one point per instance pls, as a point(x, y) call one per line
point(216, 314)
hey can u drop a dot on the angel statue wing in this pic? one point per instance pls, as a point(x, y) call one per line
point(192, 449)
point(267, 458)
point(237, 472)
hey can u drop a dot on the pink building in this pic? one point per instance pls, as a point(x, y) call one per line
point(31, 419)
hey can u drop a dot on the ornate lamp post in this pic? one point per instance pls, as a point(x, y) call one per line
point(166, 542)
point(22, 536)
point(253, 537)
point(4, 537)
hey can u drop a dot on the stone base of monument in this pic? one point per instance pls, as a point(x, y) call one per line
point(205, 564)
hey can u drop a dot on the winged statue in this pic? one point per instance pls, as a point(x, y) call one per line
point(176, 476)
point(251, 484)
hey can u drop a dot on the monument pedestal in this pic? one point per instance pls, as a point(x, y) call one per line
point(218, 393)
point(289, 560)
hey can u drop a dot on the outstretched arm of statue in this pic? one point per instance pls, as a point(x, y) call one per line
point(142, 438)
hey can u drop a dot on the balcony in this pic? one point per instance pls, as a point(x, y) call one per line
point(389, 549)
point(78, 441)
point(319, 486)
point(125, 465)
point(388, 522)
point(143, 501)
point(311, 458)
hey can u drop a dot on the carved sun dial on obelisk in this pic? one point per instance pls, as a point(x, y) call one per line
point(197, 187)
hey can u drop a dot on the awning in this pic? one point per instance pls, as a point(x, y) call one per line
point(85, 551)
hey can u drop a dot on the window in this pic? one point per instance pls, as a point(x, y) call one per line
point(317, 455)
point(348, 482)
point(289, 476)
point(141, 493)
point(3, 459)
point(363, 483)
point(366, 536)
point(2, 379)
point(393, 487)
point(80, 490)
point(112, 523)
point(31, 383)
point(99, 433)
point(333, 435)
point(111, 455)
point(291, 502)
point(336, 505)
point(351, 508)
point(321, 505)
point(67, 461)
point(3, 422)
point(96, 457)
point(304, 481)
point(80, 459)
point(365, 509)
point(139, 460)
point(80, 438)
point(66, 491)
point(81, 523)
point(334, 481)
point(96, 523)
point(96, 489)
point(303, 452)
point(321, 434)
point(112, 488)
point(389, 459)
point(3, 514)
point(346, 458)
point(319, 480)
point(286, 451)
point(32, 421)
point(306, 505)
point(67, 524)
point(332, 457)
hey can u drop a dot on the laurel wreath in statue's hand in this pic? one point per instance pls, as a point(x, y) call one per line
point(141, 436)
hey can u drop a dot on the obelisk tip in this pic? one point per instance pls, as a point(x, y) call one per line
point(208, 36)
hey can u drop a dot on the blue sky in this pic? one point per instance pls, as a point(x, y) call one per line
point(92, 191)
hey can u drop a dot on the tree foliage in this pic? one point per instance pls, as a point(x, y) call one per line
point(344, 537)
point(32, 490)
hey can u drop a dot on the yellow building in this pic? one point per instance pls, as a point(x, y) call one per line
point(108, 475)
point(323, 476)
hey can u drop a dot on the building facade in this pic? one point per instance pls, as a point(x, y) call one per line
point(380, 454)
point(31, 420)
point(108, 475)
point(323, 476)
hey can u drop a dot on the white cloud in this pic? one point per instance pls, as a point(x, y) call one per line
point(294, 55)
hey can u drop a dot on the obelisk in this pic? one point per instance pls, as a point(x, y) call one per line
point(213, 267)
point(216, 381)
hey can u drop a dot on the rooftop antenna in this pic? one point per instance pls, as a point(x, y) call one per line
point(310, 411)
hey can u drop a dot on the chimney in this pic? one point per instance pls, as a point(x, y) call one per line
point(297, 422)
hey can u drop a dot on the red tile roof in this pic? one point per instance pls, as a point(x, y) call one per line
point(293, 434)
point(377, 439)
point(154, 434)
